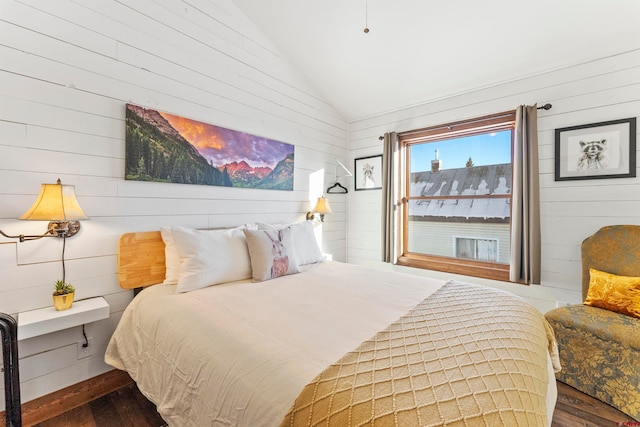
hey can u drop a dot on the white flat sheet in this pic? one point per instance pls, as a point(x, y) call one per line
point(238, 354)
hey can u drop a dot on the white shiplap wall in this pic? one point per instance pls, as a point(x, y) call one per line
point(66, 71)
point(600, 90)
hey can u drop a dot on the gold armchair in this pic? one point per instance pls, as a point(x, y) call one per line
point(600, 349)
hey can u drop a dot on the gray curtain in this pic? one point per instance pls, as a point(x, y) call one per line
point(525, 208)
point(389, 197)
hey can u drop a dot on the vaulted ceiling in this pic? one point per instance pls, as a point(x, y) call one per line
point(422, 50)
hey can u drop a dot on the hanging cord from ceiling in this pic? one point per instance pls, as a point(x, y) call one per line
point(366, 17)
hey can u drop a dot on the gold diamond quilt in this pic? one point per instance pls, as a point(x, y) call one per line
point(466, 356)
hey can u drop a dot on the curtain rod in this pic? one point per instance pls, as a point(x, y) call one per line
point(545, 107)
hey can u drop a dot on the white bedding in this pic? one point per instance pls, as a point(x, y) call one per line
point(238, 354)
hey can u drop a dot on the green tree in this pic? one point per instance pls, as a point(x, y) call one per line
point(142, 170)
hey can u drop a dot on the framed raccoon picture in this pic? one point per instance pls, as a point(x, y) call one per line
point(597, 150)
point(368, 173)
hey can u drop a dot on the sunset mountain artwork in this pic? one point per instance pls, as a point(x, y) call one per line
point(163, 147)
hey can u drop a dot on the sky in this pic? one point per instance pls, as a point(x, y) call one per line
point(221, 146)
point(487, 149)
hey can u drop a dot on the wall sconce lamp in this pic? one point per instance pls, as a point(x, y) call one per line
point(322, 207)
point(56, 203)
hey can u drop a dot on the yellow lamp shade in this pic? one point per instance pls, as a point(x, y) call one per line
point(322, 206)
point(56, 202)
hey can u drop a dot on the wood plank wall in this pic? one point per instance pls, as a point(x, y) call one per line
point(66, 71)
point(600, 90)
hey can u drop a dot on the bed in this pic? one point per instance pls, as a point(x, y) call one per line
point(328, 343)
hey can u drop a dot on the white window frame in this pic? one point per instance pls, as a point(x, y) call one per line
point(492, 239)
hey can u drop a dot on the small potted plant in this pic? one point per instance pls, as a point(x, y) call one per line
point(63, 295)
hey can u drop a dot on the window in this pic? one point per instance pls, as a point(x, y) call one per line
point(478, 249)
point(456, 202)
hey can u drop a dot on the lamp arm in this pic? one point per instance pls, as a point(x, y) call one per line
point(23, 238)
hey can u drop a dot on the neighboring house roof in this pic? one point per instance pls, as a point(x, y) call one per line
point(492, 179)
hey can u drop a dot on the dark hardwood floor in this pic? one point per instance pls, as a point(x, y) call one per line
point(128, 407)
point(574, 408)
point(121, 408)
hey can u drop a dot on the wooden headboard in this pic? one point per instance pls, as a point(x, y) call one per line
point(614, 249)
point(140, 259)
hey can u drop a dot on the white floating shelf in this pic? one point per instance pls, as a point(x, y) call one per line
point(46, 320)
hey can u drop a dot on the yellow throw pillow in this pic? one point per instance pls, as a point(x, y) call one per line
point(616, 293)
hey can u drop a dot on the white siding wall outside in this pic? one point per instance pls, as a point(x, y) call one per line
point(603, 89)
point(66, 71)
point(438, 238)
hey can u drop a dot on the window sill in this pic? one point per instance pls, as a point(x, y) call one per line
point(485, 270)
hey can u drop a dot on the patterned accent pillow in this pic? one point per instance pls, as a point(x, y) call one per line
point(272, 254)
point(304, 241)
point(616, 293)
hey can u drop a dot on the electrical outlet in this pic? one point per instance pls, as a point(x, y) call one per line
point(562, 303)
point(84, 352)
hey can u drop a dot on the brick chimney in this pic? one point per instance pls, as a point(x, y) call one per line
point(436, 164)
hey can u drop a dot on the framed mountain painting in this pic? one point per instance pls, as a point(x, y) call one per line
point(163, 147)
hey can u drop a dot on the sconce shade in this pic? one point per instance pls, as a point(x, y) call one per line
point(322, 206)
point(56, 202)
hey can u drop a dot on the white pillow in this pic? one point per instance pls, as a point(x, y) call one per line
point(210, 257)
point(272, 253)
point(171, 257)
point(304, 241)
